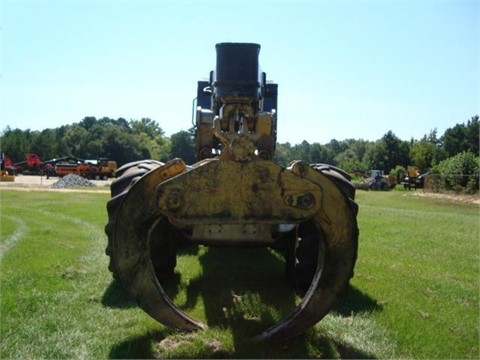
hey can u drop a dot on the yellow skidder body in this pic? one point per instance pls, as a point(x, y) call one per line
point(235, 195)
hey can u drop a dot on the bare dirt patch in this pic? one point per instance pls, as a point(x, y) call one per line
point(471, 199)
point(36, 183)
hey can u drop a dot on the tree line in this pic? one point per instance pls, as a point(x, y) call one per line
point(126, 141)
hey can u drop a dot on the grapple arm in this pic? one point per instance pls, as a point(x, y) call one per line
point(235, 195)
point(334, 218)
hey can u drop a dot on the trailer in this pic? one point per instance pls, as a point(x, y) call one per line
point(101, 169)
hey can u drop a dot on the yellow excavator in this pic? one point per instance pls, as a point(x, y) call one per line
point(234, 196)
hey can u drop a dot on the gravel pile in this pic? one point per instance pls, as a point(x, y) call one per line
point(70, 181)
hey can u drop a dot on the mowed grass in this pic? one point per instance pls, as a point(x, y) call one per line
point(415, 293)
point(419, 258)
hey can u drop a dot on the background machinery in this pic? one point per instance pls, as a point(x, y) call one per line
point(413, 178)
point(33, 165)
point(375, 180)
point(234, 196)
point(101, 169)
point(5, 165)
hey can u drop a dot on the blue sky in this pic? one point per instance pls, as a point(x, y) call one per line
point(345, 69)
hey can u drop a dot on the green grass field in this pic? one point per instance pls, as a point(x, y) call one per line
point(415, 293)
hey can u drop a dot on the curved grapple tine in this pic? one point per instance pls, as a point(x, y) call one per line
point(137, 215)
point(337, 255)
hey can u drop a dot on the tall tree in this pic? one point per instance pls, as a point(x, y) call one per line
point(146, 125)
point(301, 152)
point(151, 138)
point(348, 161)
point(462, 138)
point(473, 134)
point(183, 146)
point(282, 154)
point(75, 137)
point(422, 154)
point(387, 153)
point(121, 146)
point(324, 154)
point(88, 122)
point(15, 144)
point(45, 144)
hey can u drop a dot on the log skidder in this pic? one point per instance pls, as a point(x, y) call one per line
point(235, 195)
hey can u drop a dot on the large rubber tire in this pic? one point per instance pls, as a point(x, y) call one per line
point(302, 251)
point(164, 260)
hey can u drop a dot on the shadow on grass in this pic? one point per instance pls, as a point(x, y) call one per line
point(146, 347)
point(140, 347)
point(115, 296)
point(245, 292)
point(355, 301)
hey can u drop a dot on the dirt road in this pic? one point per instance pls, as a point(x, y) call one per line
point(39, 182)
